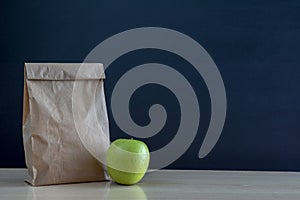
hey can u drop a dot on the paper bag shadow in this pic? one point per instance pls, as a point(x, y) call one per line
point(102, 190)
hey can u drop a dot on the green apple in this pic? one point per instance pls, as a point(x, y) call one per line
point(127, 161)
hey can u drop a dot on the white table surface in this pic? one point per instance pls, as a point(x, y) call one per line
point(163, 184)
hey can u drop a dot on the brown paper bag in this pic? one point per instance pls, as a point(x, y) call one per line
point(55, 152)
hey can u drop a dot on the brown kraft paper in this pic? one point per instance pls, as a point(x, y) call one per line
point(55, 152)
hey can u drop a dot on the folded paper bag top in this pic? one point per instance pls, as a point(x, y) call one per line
point(64, 71)
point(65, 135)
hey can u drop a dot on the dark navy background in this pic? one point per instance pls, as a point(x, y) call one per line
point(255, 44)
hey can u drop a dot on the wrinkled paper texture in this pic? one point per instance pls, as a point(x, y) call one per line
point(58, 148)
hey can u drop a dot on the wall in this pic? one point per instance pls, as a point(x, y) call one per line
point(255, 45)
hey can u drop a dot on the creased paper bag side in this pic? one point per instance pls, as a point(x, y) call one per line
point(54, 152)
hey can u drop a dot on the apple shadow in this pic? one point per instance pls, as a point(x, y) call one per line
point(118, 191)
